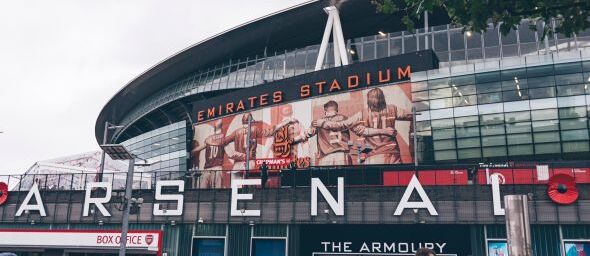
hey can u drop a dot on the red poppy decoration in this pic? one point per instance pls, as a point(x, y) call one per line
point(562, 189)
point(3, 193)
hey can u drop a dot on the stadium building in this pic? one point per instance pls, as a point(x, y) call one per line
point(378, 141)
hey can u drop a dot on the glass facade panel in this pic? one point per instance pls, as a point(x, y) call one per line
point(470, 153)
point(580, 146)
point(468, 143)
point(166, 147)
point(508, 103)
point(547, 148)
point(520, 150)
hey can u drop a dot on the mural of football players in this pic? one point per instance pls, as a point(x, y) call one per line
point(239, 138)
point(332, 143)
point(376, 126)
point(214, 151)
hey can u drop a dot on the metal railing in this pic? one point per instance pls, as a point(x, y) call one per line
point(354, 176)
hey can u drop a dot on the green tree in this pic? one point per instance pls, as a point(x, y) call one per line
point(570, 16)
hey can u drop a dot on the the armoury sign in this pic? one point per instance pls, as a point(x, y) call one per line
point(384, 240)
point(558, 185)
point(329, 81)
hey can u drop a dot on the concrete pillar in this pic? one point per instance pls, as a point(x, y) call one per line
point(518, 227)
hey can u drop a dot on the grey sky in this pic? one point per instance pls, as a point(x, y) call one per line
point(60, 61)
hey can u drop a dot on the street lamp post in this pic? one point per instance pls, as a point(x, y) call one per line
point(248, 134)
point(119, 152)
point(107, 126)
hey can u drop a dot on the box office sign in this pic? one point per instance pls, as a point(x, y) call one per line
point(384, 240)
point(92, 239)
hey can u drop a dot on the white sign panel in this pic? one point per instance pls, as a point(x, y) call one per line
point(67, 239)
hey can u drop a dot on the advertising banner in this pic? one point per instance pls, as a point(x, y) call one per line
point(369, 126)
point(383, 240)
point(577, 248)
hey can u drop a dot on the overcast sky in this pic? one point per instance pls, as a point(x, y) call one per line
point(60, 62)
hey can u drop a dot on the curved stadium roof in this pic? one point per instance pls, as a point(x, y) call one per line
point(298, 26)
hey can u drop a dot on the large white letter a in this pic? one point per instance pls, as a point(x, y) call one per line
point(425, 203)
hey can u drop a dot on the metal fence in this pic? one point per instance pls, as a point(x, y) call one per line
point(354, 176)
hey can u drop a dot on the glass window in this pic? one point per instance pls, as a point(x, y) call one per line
point(544, 114)
point(493, 140)
point(382, 49)
point(420, 96)
point(516, 150)
point(543, 137)
point(395, 46)
point(489, 87)
point(515, 95)
point(419, 86)
point(423, 125)
point(572, 124)
point(465, 111)
point(443, 134)
point(441, 113)
point(492, 129)
point(543, 103)
point(567, 90)
point(466, 121)
point(546, 92)
point(464, 90)
point(567, 68)
point(442, 123)
point(468, 142)
point(410, 44)
point(445, 155)
point(463, 80)
point(266, 247)
point(579, 146)
point(470, 153)
point(489, 98)
point(491, 119)
point(369, 50)
point(438, 83)
point(488, 77)
point(441, 103)
point(494, 151)
point(540, 71)
point(523, 138)
point(518, 127)
point(440, 93)
point(572, 112)
point(312, 56)
point(422, 105)
point(537, 82)
point(571, 101)
point(491, 41)
point(514, 84)
point(574, 135)
point(466, 100)
point(444, 144)
point(457, 39)
point(513, 117)
point(208, 246)
point(300, 61)
point(463, 132)
point(576, 78)
point(548, 125)
point(547, 148)
point(514, 74)
point(441, 43)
